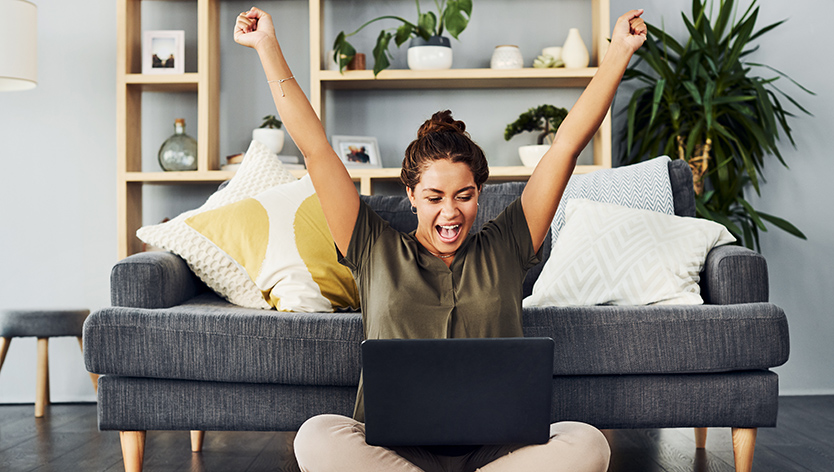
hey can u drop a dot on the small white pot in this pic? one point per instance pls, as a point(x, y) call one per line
point(270, 137)
point(506, 57)
point(436, 53)
point(532, 154)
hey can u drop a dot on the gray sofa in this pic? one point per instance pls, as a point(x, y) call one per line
point(174, 356)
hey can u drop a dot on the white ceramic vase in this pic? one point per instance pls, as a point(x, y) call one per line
point(436, 53)
point(532, 154)
point(270, 137)
point(574, 53)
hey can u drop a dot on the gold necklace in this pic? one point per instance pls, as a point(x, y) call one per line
point(441, 255)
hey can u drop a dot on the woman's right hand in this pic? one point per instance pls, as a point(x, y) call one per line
point(254, 28)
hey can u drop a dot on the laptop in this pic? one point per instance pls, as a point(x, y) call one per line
point(444, 392)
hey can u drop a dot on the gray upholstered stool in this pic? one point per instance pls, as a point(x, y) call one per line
point(42, 324)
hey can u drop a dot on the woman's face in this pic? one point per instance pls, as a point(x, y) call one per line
point(447, 202)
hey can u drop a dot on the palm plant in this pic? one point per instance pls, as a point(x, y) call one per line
point(702, 102)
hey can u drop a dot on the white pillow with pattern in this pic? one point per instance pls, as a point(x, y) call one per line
point(612, 255)
point(259, 171)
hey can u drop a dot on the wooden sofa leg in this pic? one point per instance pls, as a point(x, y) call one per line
point(197, 440)
point(4, 349)
point(744, 443)
point(133, 449)
point(700, 438)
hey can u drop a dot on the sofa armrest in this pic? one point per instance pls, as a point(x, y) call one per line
point(734, 274)
point(152, 280)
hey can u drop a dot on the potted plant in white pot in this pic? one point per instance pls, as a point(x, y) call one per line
point(429, 49)
point(270, 134)
point(545, 118)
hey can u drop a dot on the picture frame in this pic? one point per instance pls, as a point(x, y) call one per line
point(357, 152)
point(163, 52)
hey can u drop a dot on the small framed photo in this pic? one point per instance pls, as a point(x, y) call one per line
point(163, 52)
point(357, 151)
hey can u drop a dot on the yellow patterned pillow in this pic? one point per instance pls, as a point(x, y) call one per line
point(281, 240)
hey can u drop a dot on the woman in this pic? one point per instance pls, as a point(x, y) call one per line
point(440, 281)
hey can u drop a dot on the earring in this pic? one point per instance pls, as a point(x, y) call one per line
point(414, 210)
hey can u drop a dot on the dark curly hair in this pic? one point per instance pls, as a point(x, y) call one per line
point(443, 137)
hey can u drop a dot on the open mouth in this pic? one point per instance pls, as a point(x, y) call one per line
point(448, 234)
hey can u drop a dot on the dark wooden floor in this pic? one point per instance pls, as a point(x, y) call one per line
point(67, 439)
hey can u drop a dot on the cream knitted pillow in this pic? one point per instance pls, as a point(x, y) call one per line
point(259, 171)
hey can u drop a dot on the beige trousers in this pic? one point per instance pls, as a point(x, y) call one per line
point(328, 443)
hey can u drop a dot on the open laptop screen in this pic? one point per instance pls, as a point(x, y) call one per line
point(426, 392)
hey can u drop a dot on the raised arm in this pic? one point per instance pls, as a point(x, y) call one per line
point(544, 189)
point(335, 189)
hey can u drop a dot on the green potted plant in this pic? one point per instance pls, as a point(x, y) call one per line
point(270, 134)
point(453, 16)
point(545, 118)
point(702, 101)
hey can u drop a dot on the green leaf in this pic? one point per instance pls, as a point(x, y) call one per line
point(693, 91)
point(783, 225)
point(343, 51)
point(753, 214)
point(658, 96)
point(380, 52)
point(456, 16)
point(428, 22)
point(403, 33)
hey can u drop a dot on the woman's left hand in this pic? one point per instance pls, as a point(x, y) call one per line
point(630, 31)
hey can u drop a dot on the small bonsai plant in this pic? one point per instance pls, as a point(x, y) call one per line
point(453, 17)
point(546, 118)
point(271, 122)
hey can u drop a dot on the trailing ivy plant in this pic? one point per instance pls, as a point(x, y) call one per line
point(702, 102)
point(453, 16)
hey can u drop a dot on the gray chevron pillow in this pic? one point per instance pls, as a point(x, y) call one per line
point(645, 185)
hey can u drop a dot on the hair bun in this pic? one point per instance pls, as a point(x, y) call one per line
point(442, 122)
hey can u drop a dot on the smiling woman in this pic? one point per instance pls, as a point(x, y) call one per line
point(443, 172)
point(440, 281)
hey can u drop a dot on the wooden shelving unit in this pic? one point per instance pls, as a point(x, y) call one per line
point(131, 83)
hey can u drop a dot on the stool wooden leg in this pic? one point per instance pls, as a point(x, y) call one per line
point(93, 377)
point(744, 444)
point(133, 449)
point(42, 382)
point(700, 438)
point(4, 348)
point(197, 440)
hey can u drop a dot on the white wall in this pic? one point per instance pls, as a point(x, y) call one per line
point(57, 145)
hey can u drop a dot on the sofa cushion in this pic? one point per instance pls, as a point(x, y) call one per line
point(280, 239)
point(645, 185)
point(612, 255)
point(662, 339)
point(259, 171)
point(210, 339)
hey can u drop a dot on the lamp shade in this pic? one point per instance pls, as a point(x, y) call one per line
point(18, 45)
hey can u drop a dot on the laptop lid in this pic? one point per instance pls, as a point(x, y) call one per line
point(431, 392)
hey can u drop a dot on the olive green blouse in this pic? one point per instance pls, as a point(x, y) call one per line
point(407, 293)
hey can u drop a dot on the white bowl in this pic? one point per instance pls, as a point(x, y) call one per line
point(532, 154)
point(429, 57)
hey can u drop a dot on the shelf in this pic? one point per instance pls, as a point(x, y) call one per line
point(497, 174)
point(164, 82)
point(457, 78)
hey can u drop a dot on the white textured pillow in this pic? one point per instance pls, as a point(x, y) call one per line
point(259, 171)
point(645, 185)
point(611, 255)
